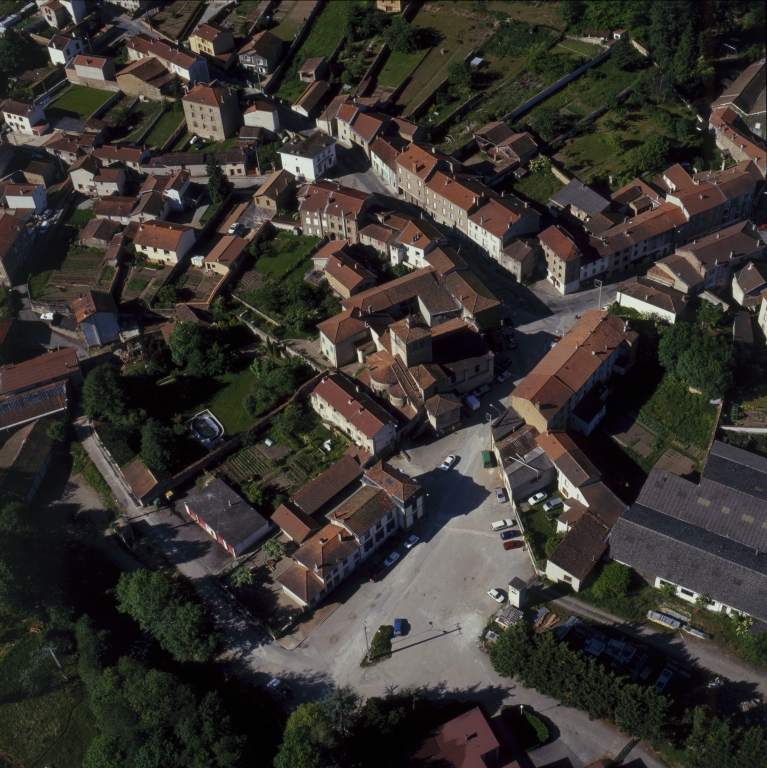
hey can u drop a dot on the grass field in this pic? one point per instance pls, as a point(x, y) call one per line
point(141, 115)
point(540, 187)
point(398, 66)
point(81, 216)
point(538, 525)
point(78, 101)
point(163, 129)
point(227, 402)
point(284, 254)
point(586, 50)
point(286, 27)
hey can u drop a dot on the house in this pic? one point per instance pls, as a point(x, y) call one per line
point(173, 187)
point(24, 198)
point(163, 241)
point(170, 162)
point(742, 330)
point(407, 494)
point(40, 172)
point(308, 158)
point(83, 172)
point(466, 741)
point(636, 197)
point(389, 6)
point(748, 284)
point(503, 146)
point(227, 517)
point(745, 97)
point(563, 259)
point(261, 53)
point(327, 122)
point(25, 117)
point(702, 539)
point(310, 100)
point(383, 158)
point(341, 334)
point(142, 482)
point(519, 257)
point(295, 524)
point(651, 298)
point(93, 68)
point(499, 221)
point(599, 344)
point(68, 148)
point(582, 201)
point(313, 70)
point(98, 233)
point(109, 181)
point(414, 242)
point(233, 162)
point(328, 209)
point(148, 77)
point(328, 489)
point(450, 200)
point(345, 275)
point(43, 369)
point(131, 157)
point(188, 66)
point(61, 13)
point(443, 411)
point(212, 111)
point(762, 316)
point(366, 127)
point(63, 49)
point(24, 460)
point(261, 113)
point(492, 135)
point(226, 255)
point(50, 401)
point(116, 208)
point(733, 139)
point(9, 329)
point(96, 314)
point(15, 243)
point(214, 42)
point(275, 191)
point(342, 403)
point(416, 165)
point(577, 554)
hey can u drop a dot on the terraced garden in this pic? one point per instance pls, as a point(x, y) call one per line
point(80, 271)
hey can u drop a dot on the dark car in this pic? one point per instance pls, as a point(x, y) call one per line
point(516, 544)
point(505, 535)
point(377, 574)
point(507, 322)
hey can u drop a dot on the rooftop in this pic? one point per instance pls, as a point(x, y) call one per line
point(39, 370)
point(582, 547)
point(23, 457)
point(33, 404)
point(578, 195)
point(297, 524)
point(315, 145)
point(164, 235)
point(333, 481)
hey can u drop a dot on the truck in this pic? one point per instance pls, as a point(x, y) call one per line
point(471, 402)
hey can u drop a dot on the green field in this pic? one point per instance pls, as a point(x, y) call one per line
point(81, 216)
point(141, 115)
point(537, 524)
point(585, 50)
point(398, 66)
point(78, 101)
point(540, 187)
point(284, 254)
point(226, 405)
point(163, 129)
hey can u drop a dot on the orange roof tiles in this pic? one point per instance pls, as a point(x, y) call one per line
point(164, 235)
point(227, 250)
point(463, 193)
point(557, 240)
point(40, 370)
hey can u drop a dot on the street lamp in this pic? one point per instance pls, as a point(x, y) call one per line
point(598, 284)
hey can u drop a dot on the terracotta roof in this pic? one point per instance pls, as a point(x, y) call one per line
point(677, 178)
point(331, 111)
point(357, 407)
point(557, 240)
point(151, 204)
point(19, 190)
point(295, 523)
point(654, 294)
point(469, 291)
point(520, 143)
point(348, 272)
point(376, 232)
point(747, 92)
point(161, 234)
point(302, 582)
point(311, 65)
point(108, 175)
point(444, 260)
point(20, 108)
point(264, 44)
point(498, 214)
point(343, 325)
point(326, 549)
point(632, 191)
point(739, 239)
point(276, 184)
point(23, 457)
point(422, 159)
point(722, 120)
point(227, 250)
point(495, 132)
point(603, 503)
point(437, 405)
point(752, 276)
point(463, 193)
point(100, 229)
point(160, 50)
point(207, 32)
point(518, 250)
point(420, 234)
point(582, 547)
point(173, 182)
point(212, 94)
point(149, 70)
point(392, 480)
point(140, 479)
point(261, 105)
point(10, 230)
point(347, 112)
point(90, 60)
point(40, 370)
point(6, 326)
point(385, 149)
point(663, 219)
point(363, 510)
point(335, 479)
point(312, 96)
point(367, 124)
point(404, 127)
point(111, 152)
point(33, 404)
point(59, 41)
point(91, 303)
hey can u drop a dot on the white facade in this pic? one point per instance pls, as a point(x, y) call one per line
point(24, 123)
point(68, 52)
point(262, 118)
point(645, 308)
point(555, 573)
point(186, 241)
point(763, 315)
point(690, 596)
point(76, 9)
point(26, 197)
point(114, 186)
point(309, 168)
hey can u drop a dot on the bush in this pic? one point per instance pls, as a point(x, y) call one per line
point(380, 646)
point(614, 581)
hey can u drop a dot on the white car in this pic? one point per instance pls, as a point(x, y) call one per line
point(500, 495)
point(411, 542)
point(234, 229)
point(47, 213)
point(44, 226)
point(553, 504)
point(497, 596)
point(448, 462)
point(662, 681)
point(606, 307)
point(47, 316)
point(502, 377)
point(537, 499)
point(393, 557)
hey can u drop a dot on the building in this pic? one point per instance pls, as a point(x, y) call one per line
point(330, 488)
point(294, 523)
point(749, 283)
point(413, 244)
point(131, 157)
point(705, 539)
point(15, 243)
point(61, 13)
point(577, 554)
point(742, 329)
point(345, 275)
point(328, 209)
point(443, 412)
point(68, 148)
point(311, 99)
point(415, 167)
point(407, 494)
point(598, 345)
point(651, 298)
point(227, 517)
point(93, 68)
point(24, 198)
point(9, 329)
point(504, 148)
point(25, 117)
point(98, 233)
point(148, 77)
point(389, 6)
point(188, 66)
point(261, 113)
point(262, 53)
point(96, 314)
point(762, 316)
point(173, 187)
point(212, 111)
point(313, 70)
point(24, 461)
point(275, 192)
point(734, 140)
point(214, 42)
point(342, 403)
point(519, 257)
point(41, 370)
point(63, 49)
point(499, 221)
point(226, 255)
point(383, 159)
point(466, 741)
point(563, 259)
point(50, 401)
point(451, 200)
point(582, 201)
point(308, 158)
point(43, 172)
point(163, 241)
point(745, 96)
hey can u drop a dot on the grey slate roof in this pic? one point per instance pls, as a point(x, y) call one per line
point(685, 554)
point(738, 469)
point(582, 197)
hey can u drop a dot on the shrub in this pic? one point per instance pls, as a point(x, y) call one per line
point(614, 581)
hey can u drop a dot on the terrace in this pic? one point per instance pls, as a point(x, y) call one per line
point(175, 19)
point(142, 283)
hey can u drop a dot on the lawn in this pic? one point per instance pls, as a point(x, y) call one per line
point(283, 254)
point(163, 129)
point(398, 66)
point(586, 50)
point(141, 115)
point(81, 216)
point(210, 212)
point(537, 524)
point(226, 404)
point(78, 102)
point(287, 27)
point(540, 187)
point(182, 142)
point(136, 285)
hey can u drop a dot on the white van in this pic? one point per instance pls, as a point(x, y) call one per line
point(553, 504)
point(499, 525)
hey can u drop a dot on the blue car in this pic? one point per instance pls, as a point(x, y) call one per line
point(398, 627)
point(506, 535)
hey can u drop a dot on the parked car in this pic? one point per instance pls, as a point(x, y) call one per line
point(536, 499)
point(662, 681)
point(553, 504)
point(500, 495)
point(399, 627)
point(411, 542)
point(393, 557)
point(47, 316)
point(47, 213)
point(499, 525)
point(606, 307)
point(479, 391)
point(448, 462)
point(762, 227)
point(506, 535)
point(508, 322)
point(513, 544)
point(497, 596)
point(277, 685)
point(554, 341)
point(502, 377)
point(234, 229)
point(377, 574)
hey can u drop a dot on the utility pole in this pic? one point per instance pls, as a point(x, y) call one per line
point(598, 284)
point(53, 653)
point(367, 645)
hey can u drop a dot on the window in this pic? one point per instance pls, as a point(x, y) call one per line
point(569, 579)
point(686, 592)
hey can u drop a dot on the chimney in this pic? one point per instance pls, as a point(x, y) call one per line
point(323, 541)
point(481, 220)
point(750, 263)
point(503, 194)
point(732, 253)
point(415, 166)
point(434, 150)
point(593, 353)
point(351, 400)
point(340, 536)
point(626, 326)
point(717, 236)
point(537, 405)
point(230, 502)
point(716, 262)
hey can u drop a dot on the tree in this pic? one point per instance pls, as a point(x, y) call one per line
point(549, 123)
point(273, 549)
point(308, 739)
point(103, 396)
point(571, 12)
point(157, 446)
point(91, 651)
point(293, 421)
point(242, 577)
point(401, 36)
point(218, 184)
point(511, 654)
point(540, 164)
point(119, 116)
point(341, 706)
point(641, 712)
point(459, 74)
point(198, 351)
point(58, 431)
point(177, 88)
point(685, 65)
point(614, 581)
point(625, 56)
point(709, 315)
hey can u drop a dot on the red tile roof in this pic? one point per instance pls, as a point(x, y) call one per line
point(463, 193)
point(498, 214)
point(40, 370)
point(392, 480)
point(461, 743)
point(325, 549)
point(91, 303)
point(557, 240)
point(582, 547)
point(334, 480)
point(346, 271)
point(295, 523)
point(228, 249)
point(161, 234)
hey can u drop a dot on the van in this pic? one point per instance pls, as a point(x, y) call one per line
point(471, 402)
point(553, 504)
point(398, 627)
point(500, 525)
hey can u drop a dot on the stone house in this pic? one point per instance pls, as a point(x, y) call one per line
point(212, 111)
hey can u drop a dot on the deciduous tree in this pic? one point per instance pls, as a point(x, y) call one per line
point(103, 395)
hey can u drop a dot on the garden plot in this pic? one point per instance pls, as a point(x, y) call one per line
point(676, 463)
point(254, 462)
point(142, 281)
point(77, 275)
point(629, 434)
point(173, 19)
